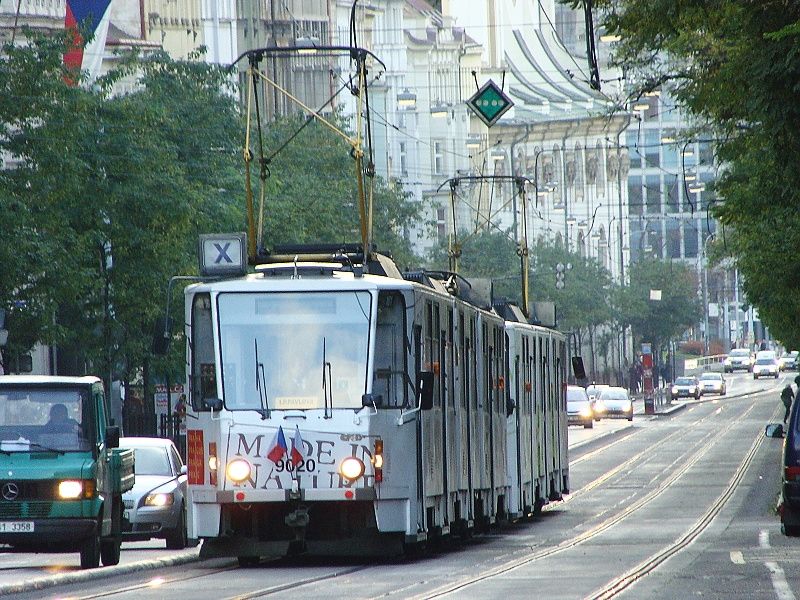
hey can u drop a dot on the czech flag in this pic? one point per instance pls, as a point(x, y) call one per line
point(297, 447)
point(96, 14)
point(278, 448)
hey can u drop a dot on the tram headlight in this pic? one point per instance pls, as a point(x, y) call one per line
point(351, 468)
point(238, 470)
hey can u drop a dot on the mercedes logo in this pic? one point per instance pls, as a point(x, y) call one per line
point(10, 491)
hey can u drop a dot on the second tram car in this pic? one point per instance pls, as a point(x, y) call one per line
point(336, 408)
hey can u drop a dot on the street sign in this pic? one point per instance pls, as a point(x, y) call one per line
point(490, 103)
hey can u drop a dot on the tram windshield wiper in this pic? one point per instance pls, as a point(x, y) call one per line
point(327, 393)
point(261, 384)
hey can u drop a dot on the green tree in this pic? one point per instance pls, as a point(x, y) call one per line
point(109, 193)
point(734, 65)
point(658, 321)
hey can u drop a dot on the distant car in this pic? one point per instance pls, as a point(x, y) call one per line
point(766, 367)
point(617, 403)
point(579, 409)
point(686, 387)
point(593, 391)
point(156, 506)
point(738, 359)
point(713, 383)
point(788, 361)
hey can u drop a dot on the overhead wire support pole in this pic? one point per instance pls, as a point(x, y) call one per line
point(454, 247)
point(522, 248)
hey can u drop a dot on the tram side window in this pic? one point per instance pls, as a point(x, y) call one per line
point(204, 383)
point(389, 378)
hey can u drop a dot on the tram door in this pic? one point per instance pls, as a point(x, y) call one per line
point(450, 434)
point(433, 421)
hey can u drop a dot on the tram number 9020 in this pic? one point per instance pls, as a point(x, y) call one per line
point(303, 466)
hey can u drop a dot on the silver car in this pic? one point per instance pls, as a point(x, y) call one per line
point(617, 403)
point(155, 507)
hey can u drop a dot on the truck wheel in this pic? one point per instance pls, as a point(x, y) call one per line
point(176, 538)
point(90, 550)
point(110, 546)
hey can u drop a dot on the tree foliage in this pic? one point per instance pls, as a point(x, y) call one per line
point(108, 192)
point(734, 64)
point(658, 321)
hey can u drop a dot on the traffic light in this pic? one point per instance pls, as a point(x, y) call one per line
point(560, 272)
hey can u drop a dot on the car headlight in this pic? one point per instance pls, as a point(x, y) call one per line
point(351, 468)
point(599, 406)
point(586, 411)
point(159, 499)
point(238, 470)
point(674, 390)
point(70, 489)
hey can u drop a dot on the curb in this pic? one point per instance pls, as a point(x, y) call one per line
point(41, 583)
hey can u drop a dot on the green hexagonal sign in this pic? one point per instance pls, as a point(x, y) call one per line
point(490, 103)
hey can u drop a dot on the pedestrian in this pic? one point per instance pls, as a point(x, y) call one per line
point(786, 397)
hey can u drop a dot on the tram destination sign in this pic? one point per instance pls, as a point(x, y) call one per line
point(223, 255)
point(490, 103)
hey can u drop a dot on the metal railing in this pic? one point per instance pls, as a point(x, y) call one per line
point(703, 363)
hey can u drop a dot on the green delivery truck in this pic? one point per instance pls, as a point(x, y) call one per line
point(62, 473)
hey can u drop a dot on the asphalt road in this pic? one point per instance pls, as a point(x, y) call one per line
point(663, 507)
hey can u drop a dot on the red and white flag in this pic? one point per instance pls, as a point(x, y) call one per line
point(297, 447)
point(278, 448)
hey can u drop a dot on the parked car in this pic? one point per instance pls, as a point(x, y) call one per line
point(579, 409)
point(766, 367)
point(593, 391)
point(155, 507)
point(789, 501)
point(738, 359)
point(617, 403)
point(712, 383)
point(685, 387)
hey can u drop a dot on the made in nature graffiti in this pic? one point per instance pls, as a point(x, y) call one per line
point(313, 463)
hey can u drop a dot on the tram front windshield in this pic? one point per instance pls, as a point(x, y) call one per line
point(289, 350)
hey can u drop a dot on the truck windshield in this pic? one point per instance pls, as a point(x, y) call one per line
point(290, 350)
point(41, 419)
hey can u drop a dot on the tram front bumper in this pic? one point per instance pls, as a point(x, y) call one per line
point(249, 495)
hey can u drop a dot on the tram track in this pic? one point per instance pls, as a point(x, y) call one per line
point(620, 584)
point(688, 460)
point(633, 459)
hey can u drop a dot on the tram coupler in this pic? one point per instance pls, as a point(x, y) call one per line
point(298, 520)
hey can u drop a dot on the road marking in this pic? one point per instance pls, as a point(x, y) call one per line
point(782, 589)
point(763, 538)
point(736, 557)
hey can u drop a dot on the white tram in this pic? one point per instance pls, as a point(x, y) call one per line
point(338, 411)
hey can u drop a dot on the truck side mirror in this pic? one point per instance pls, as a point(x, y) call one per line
point(112, 437)
point(425, 390)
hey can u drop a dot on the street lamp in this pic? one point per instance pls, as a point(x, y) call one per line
point(406, 99)
point(438, 110)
